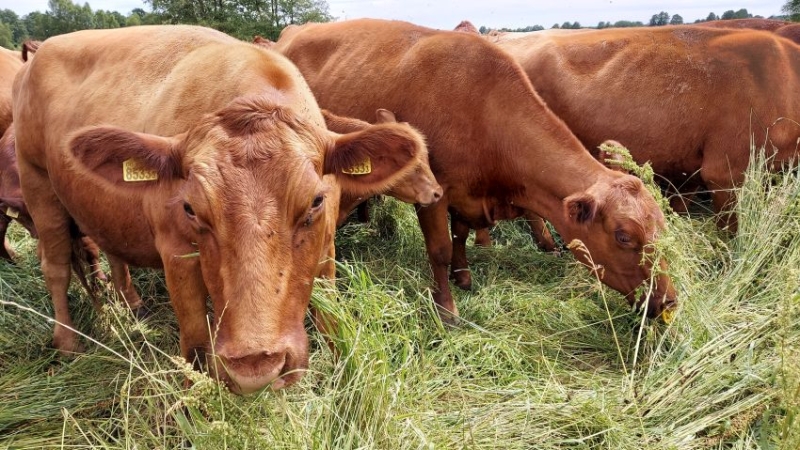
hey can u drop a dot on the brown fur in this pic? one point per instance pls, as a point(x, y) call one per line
point(244, 209)
point(751, 24)
point(10, 63)
point(686, 99)
point(492, 140)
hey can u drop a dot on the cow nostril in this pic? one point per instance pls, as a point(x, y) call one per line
point(437, 195)
point(257, 363)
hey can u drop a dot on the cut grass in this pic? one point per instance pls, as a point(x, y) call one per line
point(546, 357)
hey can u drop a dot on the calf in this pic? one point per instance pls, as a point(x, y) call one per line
point(205, 156)
point(418, 187)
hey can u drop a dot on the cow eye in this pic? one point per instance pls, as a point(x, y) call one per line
point(317, 201)
point(189, 211)
point(623, 237)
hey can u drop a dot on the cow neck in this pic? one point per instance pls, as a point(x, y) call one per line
point(564, 169)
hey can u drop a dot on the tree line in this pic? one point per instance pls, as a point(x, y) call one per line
point(662, 18)
point(247, 18)
point(240, 18)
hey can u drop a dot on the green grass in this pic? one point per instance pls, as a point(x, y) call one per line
point(546, 357)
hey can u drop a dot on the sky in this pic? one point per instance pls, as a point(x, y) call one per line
point(491, 13)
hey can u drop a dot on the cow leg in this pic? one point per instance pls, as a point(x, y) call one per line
point(459, 266)
point(363, 211)
point(482, 238)
point(123, 286)
point(96, 273)
point(540, 233)
point(188, 297)
point(55, 248)
point(717, 177)
point(433, 221)
point(6, 252)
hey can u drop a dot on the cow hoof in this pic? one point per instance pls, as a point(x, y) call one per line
point(448, 318)
point(68, 347)
point(462, 278)
point(141, 312)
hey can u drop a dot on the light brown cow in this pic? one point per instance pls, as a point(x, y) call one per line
point(494, 147)
point(10, 63)
point(686, 99)
point(419, 187)
point(791, 32)
point(208, 157)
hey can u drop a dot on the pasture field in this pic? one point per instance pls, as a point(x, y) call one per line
point(545, 358)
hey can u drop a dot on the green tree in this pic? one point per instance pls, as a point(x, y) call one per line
point(659, 19)
point(792, 9)
point(676, 20)
point(18, 30)
point(627, 24)
point(6, 37)
point(555, 25)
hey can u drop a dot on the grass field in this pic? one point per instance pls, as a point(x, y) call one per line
point(546, 357)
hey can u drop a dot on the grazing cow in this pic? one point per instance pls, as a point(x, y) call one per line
point(418, 187)
point(689, 100)
point(494, 147)
point(205, 156)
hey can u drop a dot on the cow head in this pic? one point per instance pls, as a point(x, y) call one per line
point(618, 221)
point(419, 185)
point(248, 221)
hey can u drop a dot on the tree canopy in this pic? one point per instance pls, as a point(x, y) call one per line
point(239, 18)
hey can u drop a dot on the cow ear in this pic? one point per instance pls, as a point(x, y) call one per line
point(581, 208)
point(122, 156)
point(384, 116)
point(370, 161)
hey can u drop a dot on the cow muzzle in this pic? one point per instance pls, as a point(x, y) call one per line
point(248, 372)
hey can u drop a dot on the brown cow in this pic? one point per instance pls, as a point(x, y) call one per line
point(418, 187)
point(686, 99)
point(753, 23)
point(205, 156)
point(494, 147)
point(10, 63)
point(791, 32)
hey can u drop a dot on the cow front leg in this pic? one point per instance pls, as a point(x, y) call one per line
point(459, 266)
point(433, 221)
point(55, 251)
point(540, 233)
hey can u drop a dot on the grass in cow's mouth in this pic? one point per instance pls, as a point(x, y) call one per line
point(546, 357)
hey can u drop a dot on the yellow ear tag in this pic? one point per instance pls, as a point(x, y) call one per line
point(11, 212)
point(362, 168)
point(132, 170)
point(668, 315)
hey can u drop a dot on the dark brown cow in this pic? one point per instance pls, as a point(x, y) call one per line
point(494, 147)
point(791, 32)
point(686, 99)
point(418, 187)
point(205, 156)
point(12, 207)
